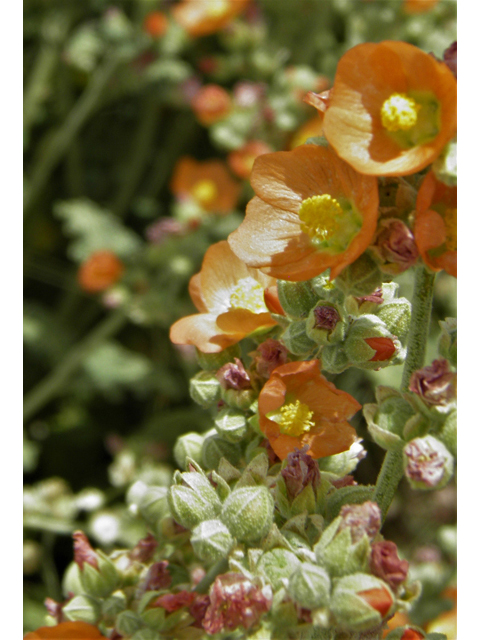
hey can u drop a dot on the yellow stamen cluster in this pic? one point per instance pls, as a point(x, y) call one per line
point(216, 8)
point(320, 216)
point(296, 419)
point(248, 294)
point(450, 221)
point(399, 112)
point(204, 192)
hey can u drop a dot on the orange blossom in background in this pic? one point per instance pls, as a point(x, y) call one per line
point(435, 228)
point(207, 183)
point(241, 160)
point(298, 407)
point(231, 299)
point(211, 103)
point(392, 108)
point(311, 212)
point(100, 271)
point(66, 631)
point(203, 17)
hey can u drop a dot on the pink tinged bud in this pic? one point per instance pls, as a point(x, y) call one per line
point(144, 550)
point(54, 609)
point(346, 481)
point(396, 244)
point(326, 318)
point(173, 601)
point(385, 564)
point(427, 462)
point(269, 355)
point(235, 601)
point(361, 519)
point(82, 551)
point(158, 577)
point(301, 470)
point(450, 58)
point(233, 376)
point(375, 297)
point(198, 609)
point(435, 384)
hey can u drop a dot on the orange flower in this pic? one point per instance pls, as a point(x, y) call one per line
point(313, 128)
point(207, 183)
point(155, 24)
point(231, 299)
point(418, 6)
point(392, 108)
point(211, 103)
point(66, 631)
point(203, 17)
point(241, 160)
point(298, 407)
point(311, 212)
point(100, 271)
point(435, 228)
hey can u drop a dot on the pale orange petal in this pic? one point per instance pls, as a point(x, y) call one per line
point(202, 331)
point(66, 631)
point(243, 321)
point(221, 271)
point(195, 291)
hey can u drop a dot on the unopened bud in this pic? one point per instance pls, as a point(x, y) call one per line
point(194, 500)
point(231, 425)
point(248, 513)
point(128, 622)
point(238, 399)
point(100, 582)
point(153, 506)
point(395, 246)
point(396, 316)
point(448, 432)
point(233, 376)
point(188, 445)
point(361, 519)
point(309, 586)
point(334, 358)
point(300, 470)
point(388, 420)
point(215, 448)
point(296, 298)
point(268, 356)
point(204, 388)
point(427, 462)
point(277, 565)
point(385, 564)
point(410, 633)
point(325, 324)
point(370, 345)
point(338, 553)
point(435, 384)
point(83, 609)
point(360, 278)
point(296, 340)
point(211, 540)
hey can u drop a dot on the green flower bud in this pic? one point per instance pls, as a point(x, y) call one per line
point(83, 609)
point(396, 316)
point(215, 447)
point(205, 388)
point(72, 581)
point(427, 462)
point(211, 540)
point(334, 358)
point(248, 513)
point(100, 582)
point(447, 345)
point(276, 565)
point(188, 445)
point(296, 340)
point(343, 463)
point(361, 602)
point(338, 553)
point(370, 345)
point(326, 323)
point(296, 298)
point(445, 166)
point(146, 634)
point(231, 425)
point(389, 419)
point(213, 361)
point(403, 633)
point(194, 500)
point(154, 505)
point(360, 278)
point(448, 432)
point(113, 606)
point(309, 586)
point(128, 622)
point(238, 399)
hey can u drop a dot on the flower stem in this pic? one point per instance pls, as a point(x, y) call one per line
point(392, 468)
point(209, 577)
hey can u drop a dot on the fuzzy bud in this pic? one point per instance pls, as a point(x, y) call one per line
point(301, 470)
point(127, 623)
point(231, 425)
point(211, 540)
point(390, 418)
point(188, 445)
point(385, 564)
point(334, 358)
point(82, 609)
point(370, 345)
point(296, 340)
point(296, 298)
point(153, 505)
point(268, 356)
point(448, 432)
point(396, 316)
point(338, 553)
point(360, 278)
point(395, 246)
point(98, 574)
point(361, 602)
point(325, 323)
point(435, 384)
point(215, 448)
point(277, 565)
point(204, 388)
point(427, 462)
point(194, 500)
point(309, 585)
point(233, 376)
point(248, 513)
point(361, 519)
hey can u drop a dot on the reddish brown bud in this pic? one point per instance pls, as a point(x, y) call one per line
point(82, 551)
point(144, 549)
point(233, 376)
point(396, 245)
point(198, 609)
point(450, 58)
point(379, 599)
point(375, 297)
point(173, 601)
point(346, 481)
point(360, 519)
point(385, 564)
point(384, 347)
point(158, 577)
point(301, 470)
point(326, 317)
point(268, 356)
point(435, 384)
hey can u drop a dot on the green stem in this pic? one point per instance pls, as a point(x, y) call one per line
point(49, 571)
point(61, 140)
point(216, 570)
point(51, 386)
point(392, 468)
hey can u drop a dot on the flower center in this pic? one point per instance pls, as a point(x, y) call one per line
point(450, 221)
point(216, 8)
point(296, 418)
point(329, 224)
point(204, 192)
point(399, 112)
point(248, 294)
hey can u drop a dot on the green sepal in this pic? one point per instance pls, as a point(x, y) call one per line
point(296, 298)
point(277, 564)
point(355, 494)
point(213, 361)
point(296, 340)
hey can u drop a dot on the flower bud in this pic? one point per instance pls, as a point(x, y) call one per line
point(361, 602)
point(300, 471)
point(194, 500)
point(215, 448)
point(370, 345)
point(146, 634)
point(385, 564)
point(233, 376)
point(360, 278)
point(98, 574)
point(188, 445)
point(213, 361)
point(388, 419)
point(309, 585)
point(296, 298)
point(72, 582)
point(338, 553)
point(83, 609)
point(268, 356)
point(396, 316)
point(435, 384)
point(447, 345)
point(204, 388)
point(408, 633)
point(395, 246)
point(211, 540)
point(344, 463)
point(113, 606)
point(238, 399)
point(296, 340)
point(427, 462)
point(334, 358)
point(276, 565)
point(231, 425)
point(361, 519)
point(248, 513)
point(154, 506)
point(325, 323)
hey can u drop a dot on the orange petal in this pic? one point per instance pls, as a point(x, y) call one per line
point(202, 331)
point(243, 321)
point(195, 291)
point(66, 631)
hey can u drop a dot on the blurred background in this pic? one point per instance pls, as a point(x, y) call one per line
point(142, 120)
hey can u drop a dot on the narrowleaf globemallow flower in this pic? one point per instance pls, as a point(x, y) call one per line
point(66, 631)
point(101, 270)
point(298, 407)
point(203, 17)
point(311, 212)
point(231, 299)
point(392, 108)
